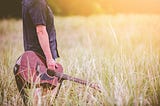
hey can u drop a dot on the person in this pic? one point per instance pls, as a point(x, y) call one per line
point(39, 33)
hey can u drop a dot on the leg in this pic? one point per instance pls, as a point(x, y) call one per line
point(37, 97)
point(20, 85)
point(21, 90)
point(42, 94)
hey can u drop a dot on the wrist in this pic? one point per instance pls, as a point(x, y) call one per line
point(50, 60)
point(48, 57)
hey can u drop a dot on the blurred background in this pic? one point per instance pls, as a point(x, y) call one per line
point(115, 43)
point(12, 8)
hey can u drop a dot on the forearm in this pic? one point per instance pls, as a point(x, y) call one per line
point(44, 41)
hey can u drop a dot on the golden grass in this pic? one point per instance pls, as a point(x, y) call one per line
point(121, 52)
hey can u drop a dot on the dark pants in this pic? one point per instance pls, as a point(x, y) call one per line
point(20, 85)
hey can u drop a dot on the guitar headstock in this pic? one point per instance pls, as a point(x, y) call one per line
point(96, 86)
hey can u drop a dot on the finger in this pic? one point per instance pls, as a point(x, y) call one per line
point(52, 67)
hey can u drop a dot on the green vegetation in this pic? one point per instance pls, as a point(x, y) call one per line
point(88, 7)
point(120, 52)
point(76, 7)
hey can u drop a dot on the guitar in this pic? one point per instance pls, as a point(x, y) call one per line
point(33, 70)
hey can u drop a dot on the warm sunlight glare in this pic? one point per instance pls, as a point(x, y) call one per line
point(105, 6)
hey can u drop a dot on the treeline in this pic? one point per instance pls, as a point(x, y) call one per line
point(77, 7)
point(12, 8)
point(87, 7)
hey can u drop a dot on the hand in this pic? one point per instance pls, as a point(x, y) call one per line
point(51, 64)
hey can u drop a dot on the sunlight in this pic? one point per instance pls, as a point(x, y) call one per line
point(86, 7)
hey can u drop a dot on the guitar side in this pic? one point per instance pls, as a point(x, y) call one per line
point(33, 68)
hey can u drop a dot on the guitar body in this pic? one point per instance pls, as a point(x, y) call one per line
point(33, 70)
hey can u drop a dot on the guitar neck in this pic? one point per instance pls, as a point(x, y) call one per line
point(70, 78)
point(62, 76)
point(77, 80)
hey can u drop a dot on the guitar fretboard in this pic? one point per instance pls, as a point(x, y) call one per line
point(62, 76)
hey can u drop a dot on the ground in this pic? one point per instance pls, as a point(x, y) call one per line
point(120, 52)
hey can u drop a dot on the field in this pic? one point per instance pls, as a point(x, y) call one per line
point(120, 52)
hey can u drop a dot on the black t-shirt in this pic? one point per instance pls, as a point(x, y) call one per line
point(37, 12)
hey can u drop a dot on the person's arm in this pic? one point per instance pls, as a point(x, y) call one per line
point(44, 42)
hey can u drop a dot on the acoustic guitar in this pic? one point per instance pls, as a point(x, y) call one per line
point(33, 71)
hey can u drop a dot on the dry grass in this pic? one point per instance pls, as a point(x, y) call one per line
point(121, 52)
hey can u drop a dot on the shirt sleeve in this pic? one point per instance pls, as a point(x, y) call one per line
point(37, 13)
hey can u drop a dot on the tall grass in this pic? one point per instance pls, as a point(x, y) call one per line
point(120, 52)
